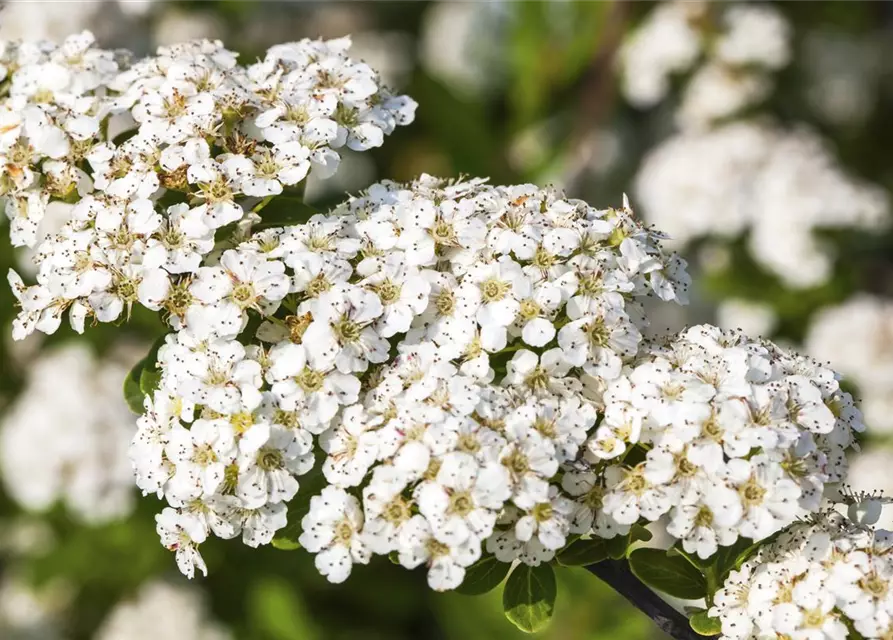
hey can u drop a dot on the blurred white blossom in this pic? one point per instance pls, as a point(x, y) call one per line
point(162, 610)
point(779, 185)
point(856, 337)
point(65, 438)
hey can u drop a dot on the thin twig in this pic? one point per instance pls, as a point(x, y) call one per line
point(618, 575)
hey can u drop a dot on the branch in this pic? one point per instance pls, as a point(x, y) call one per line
point(617, 574)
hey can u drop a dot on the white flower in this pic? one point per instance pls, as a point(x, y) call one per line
point(541, 376)
point(710, 522)
point(498, 283)
point(178, 534)
point(341, 329)
point(351, 448)
point(769, 499)
point(331, 530)
point(218, 188)
point(200, 456)
point(464, 499)
point(599, 343)
point(403, 293)
point(446, 564)
point(220, 376)
point(547, 516)
point(302, 382)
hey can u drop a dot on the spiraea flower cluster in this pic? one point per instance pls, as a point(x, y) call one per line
point(439, 342)
point(780, 189)
point(727, 51)
point(434, 371)
point(83, 465)
point(824, 579)
point(741, 438)
point(155, 158)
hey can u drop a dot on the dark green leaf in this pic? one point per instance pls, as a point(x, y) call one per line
point(638, 533)
point(582, 553)
point(150, 378)
point(731, 558)
point(284, 211)
point(617, 547)
point(705, 625)
point(702, 564)
point(529, 597)
point(143, 379)
point(484, 575)
point(673, 575)
point(133, 395)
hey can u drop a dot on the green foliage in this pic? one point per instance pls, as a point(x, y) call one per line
point(671, 574)
point(484, 575)
point(133, 394)
point(704, 624)
point(284, 211)
point(581, 553)
point(278, 613)
point(529, 597)
point(143, 378)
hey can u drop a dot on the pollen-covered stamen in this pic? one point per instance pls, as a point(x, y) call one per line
point(543, 512)
point(598, 333)
point(244, 295)
point(388, 292)
point(530, 309)
point(310, 380)
point(179, 299)
point(461, 504)
point(444, 233)
point(347, 331)
point(297, 325)
point(269, 459)
point(751, 492)
point(445, 302)
point(216, 191)
point(494, 290)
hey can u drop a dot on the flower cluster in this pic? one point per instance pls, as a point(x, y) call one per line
point(156, 158)
point(65, 437)
point(857, 336)
point(781, 187)
point(736, 45)
point(741, 438)
point(439, 338)
point(825, 579)
point(160, 609)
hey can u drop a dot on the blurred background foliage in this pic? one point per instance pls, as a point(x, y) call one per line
point(517, 91)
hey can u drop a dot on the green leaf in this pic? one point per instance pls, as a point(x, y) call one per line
point(638, 533)
point(484, 575)
point(143, 379)
point(284, 543)
point(529, 597)
point(133, 394)
point(582, 553)
point(705, 625)
point(617, 547)
point(150, 378)
point(673, 575)
point(728, 559)
point(284, 211)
